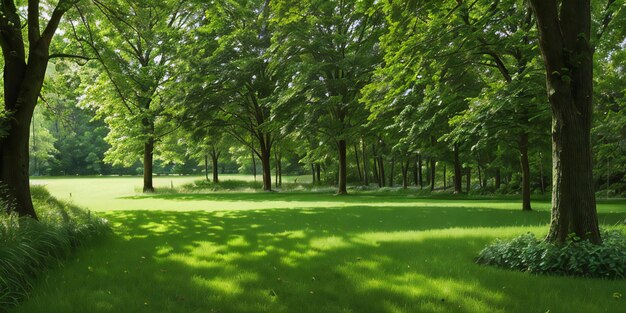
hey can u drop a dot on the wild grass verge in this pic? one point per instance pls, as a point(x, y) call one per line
point(29, 247)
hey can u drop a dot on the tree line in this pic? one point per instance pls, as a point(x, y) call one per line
point(486, 92)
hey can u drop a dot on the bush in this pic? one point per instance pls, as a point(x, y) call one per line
point(575, 257)
point(29, 247)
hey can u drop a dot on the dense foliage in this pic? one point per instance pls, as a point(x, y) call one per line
point(29, 247)
point(574, 258)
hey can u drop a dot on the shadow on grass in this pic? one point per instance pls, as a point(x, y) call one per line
point(353, 259)
point(308, 196)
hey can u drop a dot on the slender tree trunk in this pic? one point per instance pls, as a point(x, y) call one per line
point(433, 163)
point(393, 167)
point(279, 174)
point(148, 158)
point(498, 178)
point(381, 168)
point(358, 163)
point(318, 171)
point(543, 183)
point(523, 148)
point(341, 188)
point(214, 159)
point(365, 164)
point(313, 174)
point(415, 173)
point(266, 157)
point(564, 38)
point(480, 176)
point(458, 175)
point(468, 181)
point(206, 167)
point(419, 171)
point(445, 183)
point(254, 165)
point(376, 171)
point(405, 174)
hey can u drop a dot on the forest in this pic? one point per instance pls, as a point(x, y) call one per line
point(142, 110)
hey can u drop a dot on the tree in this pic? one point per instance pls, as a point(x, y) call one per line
point(137, 45)
point(336, 42)
point(25, 64)
point(565, 41)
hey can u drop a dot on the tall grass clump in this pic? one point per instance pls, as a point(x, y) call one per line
point(29, 247)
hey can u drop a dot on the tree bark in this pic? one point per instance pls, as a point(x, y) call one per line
point(564, 39)
point(358, 163)
point(391, 175)
point(433, 163)
point(419, 171)
point(498, 178)
point(206, 167)
point(543, 184)
point(318, 171)
point(381, 168)
point(214, 159)
point(445, 183)
point(253, 165)
point(22, 86)
point(458, 175)
point(341, 188)
point(523, 157)
point(405, 174)
point(365, 165)
point(148, 158)
point(266, 157)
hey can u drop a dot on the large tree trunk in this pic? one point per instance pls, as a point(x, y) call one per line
point(22, 84)
point(341, 188)
point(15, 164)
point(148, 156)
point(458, 175)
point(523, 157)
point(564, 39)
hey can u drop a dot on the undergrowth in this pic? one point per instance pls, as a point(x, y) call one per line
point(575, 257)
point(29, 247)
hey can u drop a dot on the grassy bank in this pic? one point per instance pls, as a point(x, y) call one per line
point(28, 248)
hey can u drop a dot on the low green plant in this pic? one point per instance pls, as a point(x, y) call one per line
point(575, 257)
point(28, 247)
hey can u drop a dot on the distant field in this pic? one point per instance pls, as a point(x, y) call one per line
point(305, 252)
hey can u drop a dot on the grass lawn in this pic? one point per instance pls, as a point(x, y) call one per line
point(305, 252)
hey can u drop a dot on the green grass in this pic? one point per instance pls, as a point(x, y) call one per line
point(29, 247)
point(306, 252)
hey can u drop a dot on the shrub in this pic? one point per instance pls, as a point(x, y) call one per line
point(575, 257)
point(29, 247)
